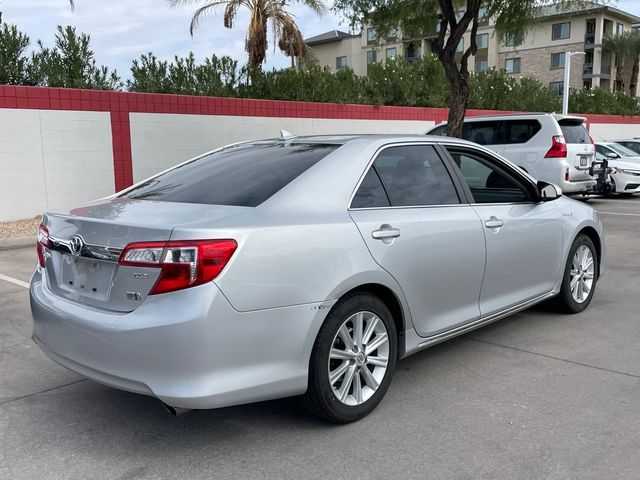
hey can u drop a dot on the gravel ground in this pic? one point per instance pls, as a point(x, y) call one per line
point(20, 228)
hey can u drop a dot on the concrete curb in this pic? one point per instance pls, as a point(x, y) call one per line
point(18, 242)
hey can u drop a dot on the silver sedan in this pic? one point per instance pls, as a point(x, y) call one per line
point(303, 266)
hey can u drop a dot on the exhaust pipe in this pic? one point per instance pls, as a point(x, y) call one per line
point(175, 411)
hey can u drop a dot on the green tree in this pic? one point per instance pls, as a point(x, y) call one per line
point(215, 77)
point(634, 53)
point(420, 19)
point(262, 13)
point(619, 46)
point(15, 66)
point(71, 63)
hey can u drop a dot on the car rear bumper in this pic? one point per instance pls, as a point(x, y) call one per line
point(577, 186)
point(189, 348)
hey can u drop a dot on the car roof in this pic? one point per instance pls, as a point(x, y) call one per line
point(503, 116)
point(368, 138)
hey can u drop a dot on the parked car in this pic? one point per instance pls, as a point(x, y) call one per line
point(553, 148)
point(631, 144)
point(624, 165)
point(303, 266)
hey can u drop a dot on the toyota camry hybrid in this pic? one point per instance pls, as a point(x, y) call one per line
point(303, 266)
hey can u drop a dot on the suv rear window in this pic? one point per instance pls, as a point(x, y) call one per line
point(574, 131)
point(243, 175)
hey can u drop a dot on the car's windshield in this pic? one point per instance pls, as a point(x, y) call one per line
point(243, 175)
point(622, 150)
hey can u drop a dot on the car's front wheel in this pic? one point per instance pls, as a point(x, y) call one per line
point(580, 276)
point(353, 359)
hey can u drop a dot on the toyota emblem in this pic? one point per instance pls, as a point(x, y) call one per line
point(75, 245)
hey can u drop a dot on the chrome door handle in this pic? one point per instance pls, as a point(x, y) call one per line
point(386, 232)
point(493, 222)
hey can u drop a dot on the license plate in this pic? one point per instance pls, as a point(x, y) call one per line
point(583, 161)
point(85, 276)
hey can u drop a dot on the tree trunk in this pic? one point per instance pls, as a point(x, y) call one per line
point(619, 85)
point(457, 104)
point(633, 83)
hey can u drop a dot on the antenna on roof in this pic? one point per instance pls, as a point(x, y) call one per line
point(284, 135)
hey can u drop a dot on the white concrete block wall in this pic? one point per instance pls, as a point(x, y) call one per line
point(614, 131)
point(53, 160)
point(159, 141)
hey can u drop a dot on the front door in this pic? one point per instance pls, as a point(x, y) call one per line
point(523, 238)
point(410, 215)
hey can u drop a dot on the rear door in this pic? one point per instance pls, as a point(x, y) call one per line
point(523, 238)
point(580, 149)
point(410, 215)
point(519, 144)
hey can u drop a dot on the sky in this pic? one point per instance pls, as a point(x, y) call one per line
point(121, 30)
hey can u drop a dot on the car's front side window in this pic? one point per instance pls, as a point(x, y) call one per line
point(409, 175)
point(488, 182)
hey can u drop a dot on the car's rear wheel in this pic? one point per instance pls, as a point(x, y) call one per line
point(580, 276)
point(353, 359)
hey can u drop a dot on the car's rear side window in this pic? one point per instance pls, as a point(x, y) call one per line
point(574, 131)
point(411, 175)
point(635, 146)
point(520, 131)
point(242, 175)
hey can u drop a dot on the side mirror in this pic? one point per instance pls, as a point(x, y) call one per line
point(612, 155)
point(548, 191)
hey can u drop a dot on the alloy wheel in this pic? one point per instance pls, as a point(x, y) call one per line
point(582, 273)
point(358, 358)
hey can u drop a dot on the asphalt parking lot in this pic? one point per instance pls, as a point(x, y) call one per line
point(537, 395)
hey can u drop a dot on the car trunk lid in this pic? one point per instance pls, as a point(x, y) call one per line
point(85, 244)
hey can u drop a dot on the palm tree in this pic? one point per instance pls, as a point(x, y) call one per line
point(618, 45)
point(634, 53)
point(263, 13)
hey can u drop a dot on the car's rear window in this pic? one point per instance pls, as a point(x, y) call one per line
point(243, 175)
point(574, 131)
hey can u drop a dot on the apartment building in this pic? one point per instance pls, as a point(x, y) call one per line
point(540, 52)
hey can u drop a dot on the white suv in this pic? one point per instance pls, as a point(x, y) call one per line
point(553, 148)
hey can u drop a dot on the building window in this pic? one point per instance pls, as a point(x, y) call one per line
point(557, 60)
point(513, 40)
point(482, 41)
point(392, 35)
point(557, 88)
point(481, 66)
point(482, 15)
point(372, 57)
point(460, 47)
point(391, 53)
point(512, 65)
point(619, 28)
point(341, 62)
point(560, 31)
point(459, 15)
point(372, 36)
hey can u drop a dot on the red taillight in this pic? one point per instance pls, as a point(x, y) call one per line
point(183, 264)
point(42, 243)
point(558, 148)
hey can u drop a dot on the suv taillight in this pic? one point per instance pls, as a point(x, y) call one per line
point(183, 264)
point(42, 243)
point(558, 148)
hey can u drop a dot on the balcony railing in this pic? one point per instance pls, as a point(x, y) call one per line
point(589, 39)
point(588, 69)
point(605, 69)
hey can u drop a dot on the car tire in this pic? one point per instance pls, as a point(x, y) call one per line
point(581, 272)
point(351, 396)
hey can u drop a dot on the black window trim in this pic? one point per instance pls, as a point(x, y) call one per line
point(530, 186)
point(458, 186)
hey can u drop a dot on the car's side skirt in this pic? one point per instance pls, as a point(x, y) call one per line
point(419, 343)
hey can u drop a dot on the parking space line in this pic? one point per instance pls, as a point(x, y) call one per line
point(620, 213)
point(15, 281)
